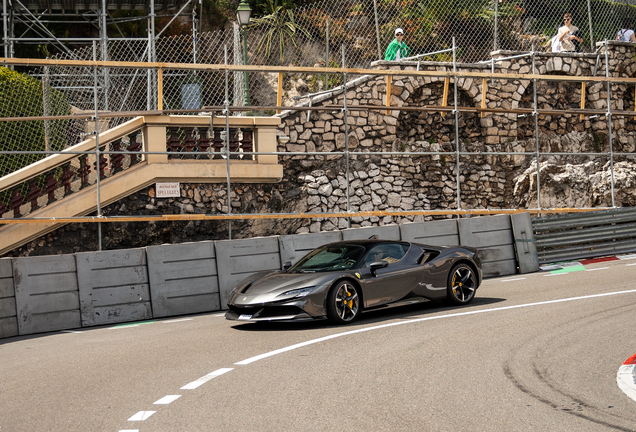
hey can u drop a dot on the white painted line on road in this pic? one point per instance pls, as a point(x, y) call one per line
point(141, 415)
point(557, 274)
point(219, 315)
point(594, 269)
point(71, 331)
point(627, 265)
point(510, 280)
point(167, 399)
point(626, 380)
point(129, 430)
point(204, 379)
point(177, 320)
point(627, 257)
point(337, 335)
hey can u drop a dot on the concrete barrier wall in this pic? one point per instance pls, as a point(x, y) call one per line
point(434, 233)
point(492, 235)
point(113, 286)
point(42, 294)
point(8, 315)
point(294, 247)
point(238, 259)
point(386, 232)
point(183, 278)
point(46, 294)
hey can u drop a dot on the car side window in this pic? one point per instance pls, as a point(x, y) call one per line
point(389, 252)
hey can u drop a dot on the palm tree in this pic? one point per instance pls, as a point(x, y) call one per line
point(280, 26)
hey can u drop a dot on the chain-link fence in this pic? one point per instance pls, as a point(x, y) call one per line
point(344, 33)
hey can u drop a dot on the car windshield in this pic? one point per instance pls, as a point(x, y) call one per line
point(329, 258)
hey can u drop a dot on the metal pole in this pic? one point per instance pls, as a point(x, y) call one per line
point(96, 134)
point(153, 56)
point(5, 32)
point(104, 37)
point(327, 58)
point(496, 18)
point(45, 108)
point(149, 106)
point(377, 28)
point(589, 20)
point(194, 33)
point(609, 122)
point(245, 75)
point(536, 130)
point(459, 201)
point(346, 124)
point(227, 146)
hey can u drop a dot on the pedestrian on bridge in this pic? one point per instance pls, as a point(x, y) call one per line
point(397, 50)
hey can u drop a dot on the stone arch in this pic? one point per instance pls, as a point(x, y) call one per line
point(560, 95)
point(433, 126)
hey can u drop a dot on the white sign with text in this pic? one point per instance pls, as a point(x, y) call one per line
point(168, 190)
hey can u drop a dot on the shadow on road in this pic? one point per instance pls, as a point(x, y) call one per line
point(376, 316)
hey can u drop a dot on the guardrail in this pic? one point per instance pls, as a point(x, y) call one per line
point(586, 235)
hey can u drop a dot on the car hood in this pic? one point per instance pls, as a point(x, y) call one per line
point(279, 282)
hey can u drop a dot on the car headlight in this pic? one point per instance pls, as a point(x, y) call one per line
point(300, 292)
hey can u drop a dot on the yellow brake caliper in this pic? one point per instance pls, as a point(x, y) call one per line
point(350, 302)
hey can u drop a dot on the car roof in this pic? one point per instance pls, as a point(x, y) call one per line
point(366, 243)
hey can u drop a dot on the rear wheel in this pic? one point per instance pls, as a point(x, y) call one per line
point(343, 303)
point(462, 285)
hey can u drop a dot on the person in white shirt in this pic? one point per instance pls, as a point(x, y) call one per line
point(626, 34)
point(568, 35)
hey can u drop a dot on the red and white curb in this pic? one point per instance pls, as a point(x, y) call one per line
point(626, 377)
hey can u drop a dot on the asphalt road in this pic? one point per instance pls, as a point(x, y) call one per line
point(536, 352)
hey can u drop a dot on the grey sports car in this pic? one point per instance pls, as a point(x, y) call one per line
point(340, 280)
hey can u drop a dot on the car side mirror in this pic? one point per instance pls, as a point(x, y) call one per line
point(377, 265)
point(287, 265)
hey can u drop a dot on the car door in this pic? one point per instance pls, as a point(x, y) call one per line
point(391, 283)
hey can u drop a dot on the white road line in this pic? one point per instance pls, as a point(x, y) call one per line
point(558, 274)
point(594, 269)
point(71, 331)
point(627, 265)
point(129, 430)
point(204, 379)
point(627, 257)
point(167, 399)
point(141, 415)
point(177, 320)
point(626, 380)
point(348, 333)
point(219, 315)
point(510, 280)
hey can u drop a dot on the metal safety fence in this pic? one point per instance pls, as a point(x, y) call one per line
point(17, 194)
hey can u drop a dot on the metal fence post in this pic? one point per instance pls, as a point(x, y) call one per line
point(535, 113)
point(97, 153)
point(377, 28)
point(227, 147)
point(609, 122)
point(346, 122)
point(456, 111)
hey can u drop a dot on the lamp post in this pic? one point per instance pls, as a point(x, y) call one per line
point(243, 14)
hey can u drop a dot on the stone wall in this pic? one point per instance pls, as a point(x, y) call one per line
point(317, 183)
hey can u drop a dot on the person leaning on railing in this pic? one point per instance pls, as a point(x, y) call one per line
point(569, 35)
point(626, 34)
point(397, 49)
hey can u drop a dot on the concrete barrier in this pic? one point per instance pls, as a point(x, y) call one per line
point(386, 232)
point(294, 247)
point(492, 235)
point(113, 286)
point(183, 278)
point(46, 294)
point(8, 315)
point(238, 259)
point(525, 246)
point(434, 233)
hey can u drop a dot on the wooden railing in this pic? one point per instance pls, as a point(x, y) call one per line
point(143, 141)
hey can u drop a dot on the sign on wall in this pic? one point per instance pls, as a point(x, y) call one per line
point(168, 190)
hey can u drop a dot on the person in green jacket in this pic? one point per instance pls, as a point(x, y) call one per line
point(397, 49)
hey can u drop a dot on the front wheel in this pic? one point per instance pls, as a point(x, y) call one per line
point(462, 285)
point(343, 303)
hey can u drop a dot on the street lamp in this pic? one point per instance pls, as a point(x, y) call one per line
point(243, 14)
